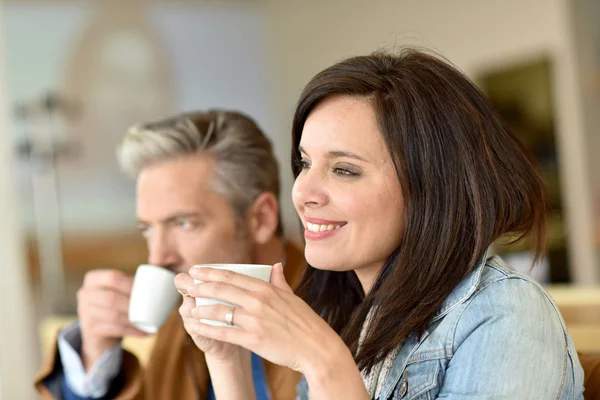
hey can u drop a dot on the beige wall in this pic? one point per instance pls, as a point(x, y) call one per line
point(312, 34)
point(587, 44)
point(17, 336)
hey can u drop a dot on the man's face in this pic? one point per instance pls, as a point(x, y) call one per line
point(183, 220)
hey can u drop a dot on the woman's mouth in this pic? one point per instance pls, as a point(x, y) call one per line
point(321, 228)
point(317, 228)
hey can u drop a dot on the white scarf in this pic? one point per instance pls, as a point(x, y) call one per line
point(375, 379)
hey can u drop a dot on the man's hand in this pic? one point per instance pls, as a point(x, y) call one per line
point(102, 307)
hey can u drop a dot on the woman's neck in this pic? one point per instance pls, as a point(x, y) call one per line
point(368, 275)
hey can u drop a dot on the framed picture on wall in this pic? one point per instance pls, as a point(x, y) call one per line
point(522, 94)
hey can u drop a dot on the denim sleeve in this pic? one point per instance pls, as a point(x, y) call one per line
point(509, 343)
point(96, 383)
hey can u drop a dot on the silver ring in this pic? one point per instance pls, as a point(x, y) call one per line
point(229, 317)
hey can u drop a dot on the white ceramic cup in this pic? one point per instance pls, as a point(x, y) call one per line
point(153, 297)
point(258, 271)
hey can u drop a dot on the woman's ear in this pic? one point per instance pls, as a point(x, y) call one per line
point(263, 218)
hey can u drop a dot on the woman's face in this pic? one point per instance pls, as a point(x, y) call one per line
point(347, 195)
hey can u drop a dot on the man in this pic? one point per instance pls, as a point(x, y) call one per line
point(207, 192)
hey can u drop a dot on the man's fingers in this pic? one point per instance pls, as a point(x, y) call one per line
point(109, 279)
point(103, 298)
point(133, 331)
point(112, 329)
point(104, 314)
point(108, 330)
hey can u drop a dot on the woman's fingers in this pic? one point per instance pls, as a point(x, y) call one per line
point(228, 293)
point(222, 333)
point(219, 312)
point(182, 281)
point(206, 274)
point(278, 278)
point(188, 304)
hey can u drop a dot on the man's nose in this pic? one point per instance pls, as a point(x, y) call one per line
point(161, 250)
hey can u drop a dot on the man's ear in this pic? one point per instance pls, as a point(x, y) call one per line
point(263, 218)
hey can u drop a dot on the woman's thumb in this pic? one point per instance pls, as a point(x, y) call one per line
point(278, 278)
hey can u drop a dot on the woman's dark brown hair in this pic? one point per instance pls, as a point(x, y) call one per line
point(465, 178)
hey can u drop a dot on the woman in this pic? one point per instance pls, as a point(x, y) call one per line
point(404, 177)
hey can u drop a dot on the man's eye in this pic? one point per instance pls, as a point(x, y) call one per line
point(185, 224)
point(146, 231)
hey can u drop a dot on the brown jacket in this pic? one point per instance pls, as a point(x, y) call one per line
point(177, 368)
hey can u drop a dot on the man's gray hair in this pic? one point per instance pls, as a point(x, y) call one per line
point(245, 165)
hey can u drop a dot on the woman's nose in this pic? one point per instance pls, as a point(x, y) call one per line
point(310, 189)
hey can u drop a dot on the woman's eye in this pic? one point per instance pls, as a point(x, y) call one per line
point(345, 172)
point(342, 171)
point(304, 164)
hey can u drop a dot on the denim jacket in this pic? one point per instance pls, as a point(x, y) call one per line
point(496, 336)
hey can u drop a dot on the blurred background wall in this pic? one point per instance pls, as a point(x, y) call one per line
point(78, 73)
point(19, 348)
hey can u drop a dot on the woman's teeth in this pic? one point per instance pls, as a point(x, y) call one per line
point(321, 228)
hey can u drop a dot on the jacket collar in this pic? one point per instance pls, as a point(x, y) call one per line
point(463, 290)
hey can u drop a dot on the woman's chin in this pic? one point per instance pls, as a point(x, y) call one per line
point(323, 264)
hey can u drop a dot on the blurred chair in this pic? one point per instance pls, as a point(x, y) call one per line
point(580, 308)
point(591, 369)
point(140, 347)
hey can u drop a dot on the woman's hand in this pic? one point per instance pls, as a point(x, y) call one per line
point(218, 350)
point(272, 322)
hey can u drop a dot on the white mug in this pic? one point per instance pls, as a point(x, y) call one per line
point(258, 271)
point(153, 297)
